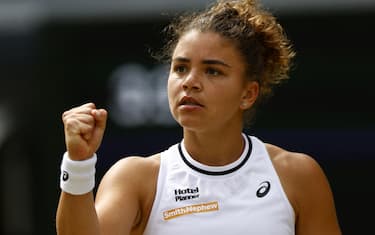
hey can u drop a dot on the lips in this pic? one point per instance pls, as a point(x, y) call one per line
point(187, 100)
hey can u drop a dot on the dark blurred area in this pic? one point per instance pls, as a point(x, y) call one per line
point(325, 110)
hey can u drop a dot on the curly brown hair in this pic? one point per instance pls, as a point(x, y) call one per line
point(256, 33)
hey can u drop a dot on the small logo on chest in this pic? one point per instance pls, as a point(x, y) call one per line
point(186, 194)
point(263, 189)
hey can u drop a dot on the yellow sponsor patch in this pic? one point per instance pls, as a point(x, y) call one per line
point(186, 210)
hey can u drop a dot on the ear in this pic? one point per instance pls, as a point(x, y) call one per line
point(249, 95)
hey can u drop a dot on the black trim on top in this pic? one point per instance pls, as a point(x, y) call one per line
point(217, 172)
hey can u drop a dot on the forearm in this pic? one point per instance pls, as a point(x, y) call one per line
point(76, 214)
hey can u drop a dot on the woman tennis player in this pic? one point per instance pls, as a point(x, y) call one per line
point(224, 62)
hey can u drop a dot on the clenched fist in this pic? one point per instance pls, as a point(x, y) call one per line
point(84, 129)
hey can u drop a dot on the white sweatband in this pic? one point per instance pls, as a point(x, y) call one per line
point(77, 177)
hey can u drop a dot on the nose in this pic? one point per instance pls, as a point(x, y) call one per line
point(192, 82)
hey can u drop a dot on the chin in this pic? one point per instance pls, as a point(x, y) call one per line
point(190, 124)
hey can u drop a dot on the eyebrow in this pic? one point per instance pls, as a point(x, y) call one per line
point(207, 61)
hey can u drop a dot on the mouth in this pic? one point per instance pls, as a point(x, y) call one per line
point(189, 101)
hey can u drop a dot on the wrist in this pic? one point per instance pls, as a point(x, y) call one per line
point(77, 177)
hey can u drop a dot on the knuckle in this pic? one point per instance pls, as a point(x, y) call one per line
point(71, 123)
point(64, 114)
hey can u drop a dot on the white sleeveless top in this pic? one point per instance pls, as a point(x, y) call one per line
point(244, 197)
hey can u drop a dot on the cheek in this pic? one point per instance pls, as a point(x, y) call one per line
point(229, 102)
point(171, 90)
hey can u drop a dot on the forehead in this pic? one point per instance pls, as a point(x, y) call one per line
point(206, 45)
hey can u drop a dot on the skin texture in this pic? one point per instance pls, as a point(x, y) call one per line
point(208, 94)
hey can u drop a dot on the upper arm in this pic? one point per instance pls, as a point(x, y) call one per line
point(117, 200)
point(308, 190)
point(315, 208)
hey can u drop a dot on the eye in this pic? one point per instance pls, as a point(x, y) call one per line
point(213, 72)
point(180, 68)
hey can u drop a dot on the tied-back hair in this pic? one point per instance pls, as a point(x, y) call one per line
point(254, 31)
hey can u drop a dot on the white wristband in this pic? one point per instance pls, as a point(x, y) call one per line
point(77, 177)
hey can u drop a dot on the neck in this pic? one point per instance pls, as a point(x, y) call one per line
point(214, 148)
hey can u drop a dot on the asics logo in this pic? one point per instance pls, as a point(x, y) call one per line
point(263, 189)
point(65, 176)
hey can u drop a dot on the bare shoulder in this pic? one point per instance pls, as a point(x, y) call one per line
point(300, 174)
point(307, 189)
point(134, 165)
point(133, 170)
point(294, 163)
